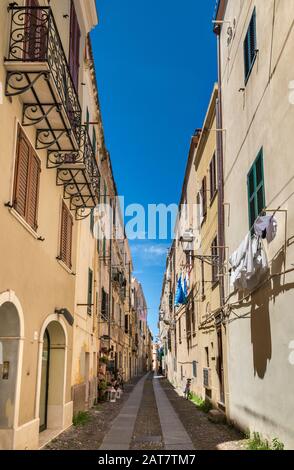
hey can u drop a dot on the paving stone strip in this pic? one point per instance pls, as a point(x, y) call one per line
point(204, 434)
point(120, 434)
point(147, 432)
point(174, 434)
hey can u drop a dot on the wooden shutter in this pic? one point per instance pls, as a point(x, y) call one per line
point(33, 191)
point(66, 236)
point(21, 174)
point(27, 181)
point(74, 46)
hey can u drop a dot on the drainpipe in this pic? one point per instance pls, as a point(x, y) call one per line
point(110, 279)
point(220, 169)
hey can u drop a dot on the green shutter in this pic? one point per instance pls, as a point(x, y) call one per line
point(250, 46)
point(256, 189)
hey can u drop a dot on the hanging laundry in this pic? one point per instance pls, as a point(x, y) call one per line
point(249, 263)
point(181, 292)
point(266, 227)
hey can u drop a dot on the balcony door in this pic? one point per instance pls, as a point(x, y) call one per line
point(74, 46)
point(36, 28)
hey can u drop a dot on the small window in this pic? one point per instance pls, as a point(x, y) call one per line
point(180, 331)
point(256, 190)
point(214, 261)
point(104, 248)
point(94, 141)
point(66, 236)
point(90, 291)
point(104, 304)
point(194, 363)
point(26, 181)
point(126, 323)
point(204, 197)
point(92, 221)
point(207, 356)
point(87, 119)
point(212, 174)
point(250, 46)
point(105, 193)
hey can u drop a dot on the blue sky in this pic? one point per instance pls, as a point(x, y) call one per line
point(156, 66)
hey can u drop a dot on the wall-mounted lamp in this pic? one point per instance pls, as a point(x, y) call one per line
point(67, 315)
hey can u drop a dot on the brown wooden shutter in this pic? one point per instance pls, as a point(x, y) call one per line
point(21, 174)
point(66, 236)
point(27, 181)
point(33, 191)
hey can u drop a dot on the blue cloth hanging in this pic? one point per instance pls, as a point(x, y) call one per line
point(181, 292)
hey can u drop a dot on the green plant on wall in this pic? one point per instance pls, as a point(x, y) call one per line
point(203, 405)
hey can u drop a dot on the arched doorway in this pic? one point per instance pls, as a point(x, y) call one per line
point(52, 386)
point(10, 332)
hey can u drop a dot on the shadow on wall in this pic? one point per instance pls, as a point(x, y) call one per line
point(260, 316)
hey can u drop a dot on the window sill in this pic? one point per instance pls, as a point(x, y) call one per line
point(65, 267)
point(28, 228)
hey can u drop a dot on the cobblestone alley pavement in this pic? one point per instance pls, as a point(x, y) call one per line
point(150, 416)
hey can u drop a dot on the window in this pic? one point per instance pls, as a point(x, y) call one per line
point(104, 304)
point(250, 46)
point(214, 261)
point(199, 211)
point(27, 181)
point(94, 141)
point(212, 174)
point(87, 119)
point(66, 236)
point(113, 309)
point(204, 197)
point(74, 46)
point(202, 280)
point(256, 190)
point(92, 221)
point(90, 291)
point(36, 42)
point(194, 364)
point(105, 193)
point(180, 331)
point(104, 248)
point(126, 323)
point(207, 356)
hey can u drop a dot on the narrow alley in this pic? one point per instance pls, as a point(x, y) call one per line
point(150, 416)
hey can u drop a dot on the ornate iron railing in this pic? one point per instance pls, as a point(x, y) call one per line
point(83, 191)
point(34, 38)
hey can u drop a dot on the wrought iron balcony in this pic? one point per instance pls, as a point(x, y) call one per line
point(79, 174)
point(38, 71)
